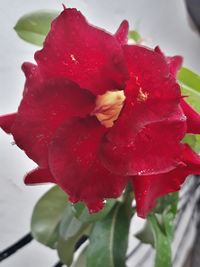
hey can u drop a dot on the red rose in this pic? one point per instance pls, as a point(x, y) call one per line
point(97, 113)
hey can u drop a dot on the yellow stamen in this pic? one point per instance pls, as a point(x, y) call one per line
point(108, 107)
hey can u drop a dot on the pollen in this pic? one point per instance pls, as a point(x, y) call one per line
point(142, 96)
point(108, 107)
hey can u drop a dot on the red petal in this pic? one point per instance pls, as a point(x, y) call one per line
point(148, 189)
point(155, 149)
point(193, 118)
point(174, 63)
point(192, 160)
point(150, 119)
point(6, 122)
point(82, 53)
point(45, 105)
point(122, 33)
point(73, 161)
point(38, 176)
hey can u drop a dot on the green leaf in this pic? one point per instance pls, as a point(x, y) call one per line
point(193, 96)
point(162, 227)
point(82, 214)
point(189, 78)
point(193, 141)
point(109, 239)
point(167, 208)
point(162, 244)
point(190, 86)
point(69, 225)
point(190, 140)
point(66, 248)
point(33, 27)
point(135, 36)
point(168, 202)
point(47, 215)
point(166, 211)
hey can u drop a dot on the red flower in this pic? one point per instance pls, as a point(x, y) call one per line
point(97, 113)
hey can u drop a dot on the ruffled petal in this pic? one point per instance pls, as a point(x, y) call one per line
point(122, 33)
point(193, 118)
point(44, 107)
point(6, 122)
point(73, 161)
point(38, 176)
point(148, 189)
point(150, 119)
point(174, 62)
point(83, 53)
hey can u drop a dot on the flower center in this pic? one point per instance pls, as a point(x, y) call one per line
point(108, 107)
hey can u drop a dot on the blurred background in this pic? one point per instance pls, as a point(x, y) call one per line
point(159, 22)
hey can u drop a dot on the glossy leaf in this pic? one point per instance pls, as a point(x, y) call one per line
point(66, 248)
point(82, 214)
point(47, 215)
point(33, 27)
point(69, 225)
point(190, 86)
point(162, 244)
point(189, 78)
point(109, 239)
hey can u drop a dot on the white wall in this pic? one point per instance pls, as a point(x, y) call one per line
point(159, 22)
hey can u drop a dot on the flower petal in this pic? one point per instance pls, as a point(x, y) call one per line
point(82, 53)
point(38, 176)
point(151, 117)
point(155, 149)
point(6, 122)
point(174, 62)
point(193, 118)
point(44, 107)
point(73, 161)
point(122, 33)
point(148, 189)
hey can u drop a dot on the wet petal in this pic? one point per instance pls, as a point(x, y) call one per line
point(148, 189)
point(155, 149)
point(83, 53)
point(45, 105)
point(151, 118)
point(73, 160)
